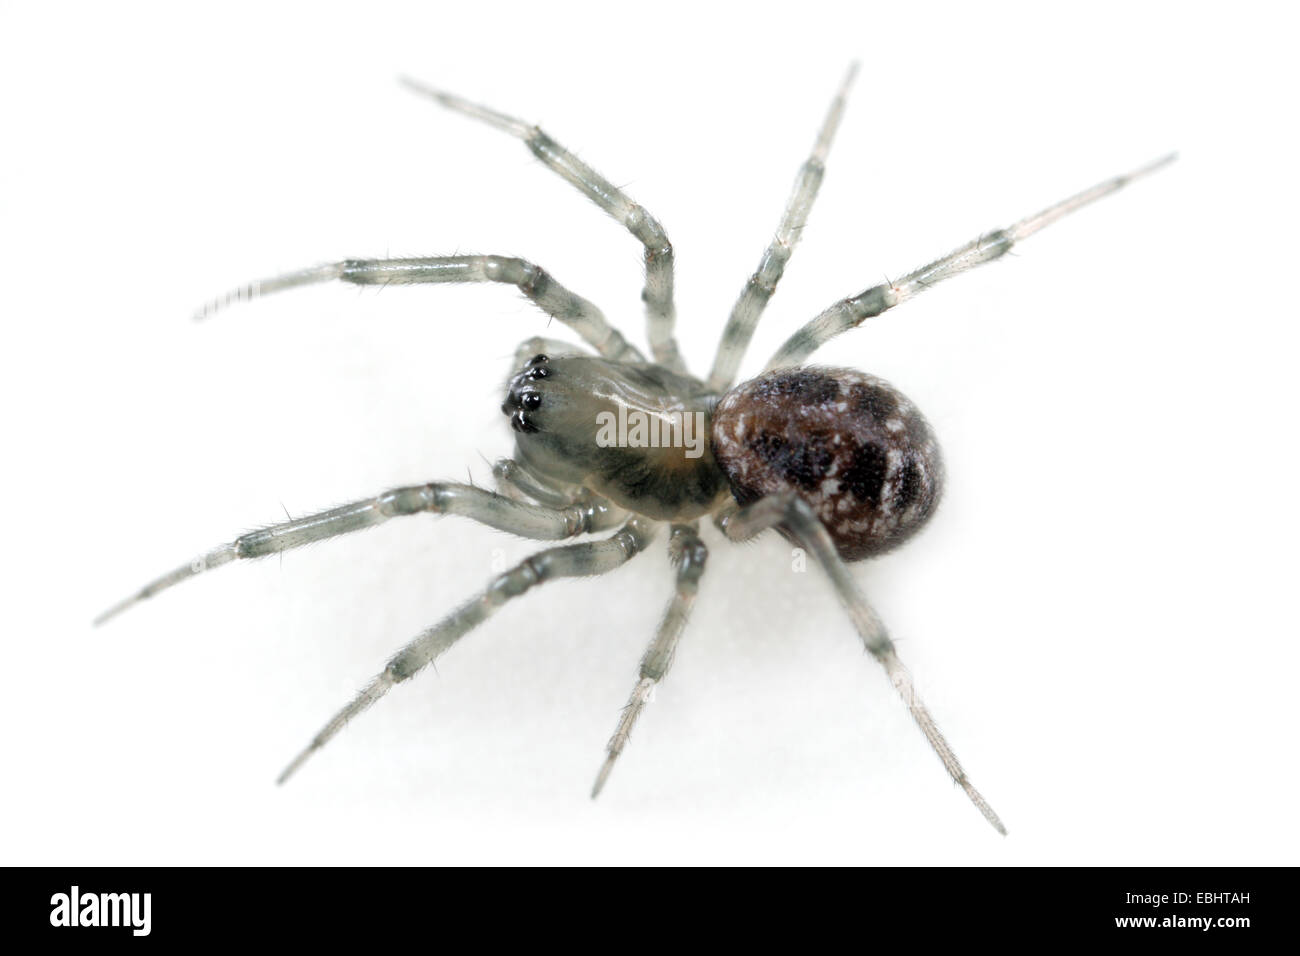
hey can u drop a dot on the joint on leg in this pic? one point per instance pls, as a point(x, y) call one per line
point(409, 501)
point(655, 664)
point(588, 513)
point(871, 303)
point(686, 550)
point(649, 232)
point(405, 665)
point(509, 270)
point(533, 281)
point(578, 519)
point(633, 537)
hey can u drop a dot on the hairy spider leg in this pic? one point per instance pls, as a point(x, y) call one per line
point(851, 312)
point(658, 292)
point(586, 559)
point(690, 555)
point(538, 522)
point(533, 281)
point(793, 514)
point(762, 284)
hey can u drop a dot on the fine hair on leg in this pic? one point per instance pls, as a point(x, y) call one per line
point(793, 515)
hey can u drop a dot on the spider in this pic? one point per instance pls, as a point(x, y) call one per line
point(606, 440)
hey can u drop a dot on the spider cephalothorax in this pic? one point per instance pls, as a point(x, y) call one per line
point(838, 461)
point(633, 432)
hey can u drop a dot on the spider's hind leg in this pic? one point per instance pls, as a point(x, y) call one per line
point(987, 247)
point(573, 560)
point(793, 515)
point(689, 554)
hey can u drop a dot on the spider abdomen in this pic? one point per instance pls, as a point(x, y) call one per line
point(852, 446)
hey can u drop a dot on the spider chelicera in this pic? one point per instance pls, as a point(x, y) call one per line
point(838, 461)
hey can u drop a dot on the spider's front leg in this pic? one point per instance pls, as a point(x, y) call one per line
point(532, 280)
point(793, 515)
point(574, 560)
point(539, 522)
point(661, 313)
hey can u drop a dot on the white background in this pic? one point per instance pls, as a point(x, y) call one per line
point(1101, 614)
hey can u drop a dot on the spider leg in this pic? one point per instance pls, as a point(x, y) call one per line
point(851, 312)
point(534, 282)
point(658, 291)
point(541, 345)
point(526, 520)
point(690, 555)
point(573, 560)
point(793, 515)
point(762, 284)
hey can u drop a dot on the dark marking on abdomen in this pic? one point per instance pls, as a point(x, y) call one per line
point(848, 443)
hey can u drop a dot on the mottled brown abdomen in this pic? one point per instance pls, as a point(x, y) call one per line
point(848, 443)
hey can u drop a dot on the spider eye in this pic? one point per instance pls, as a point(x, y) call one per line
point(530, 400)
point(521, 424)
point(540, 371)
point(539, 359)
